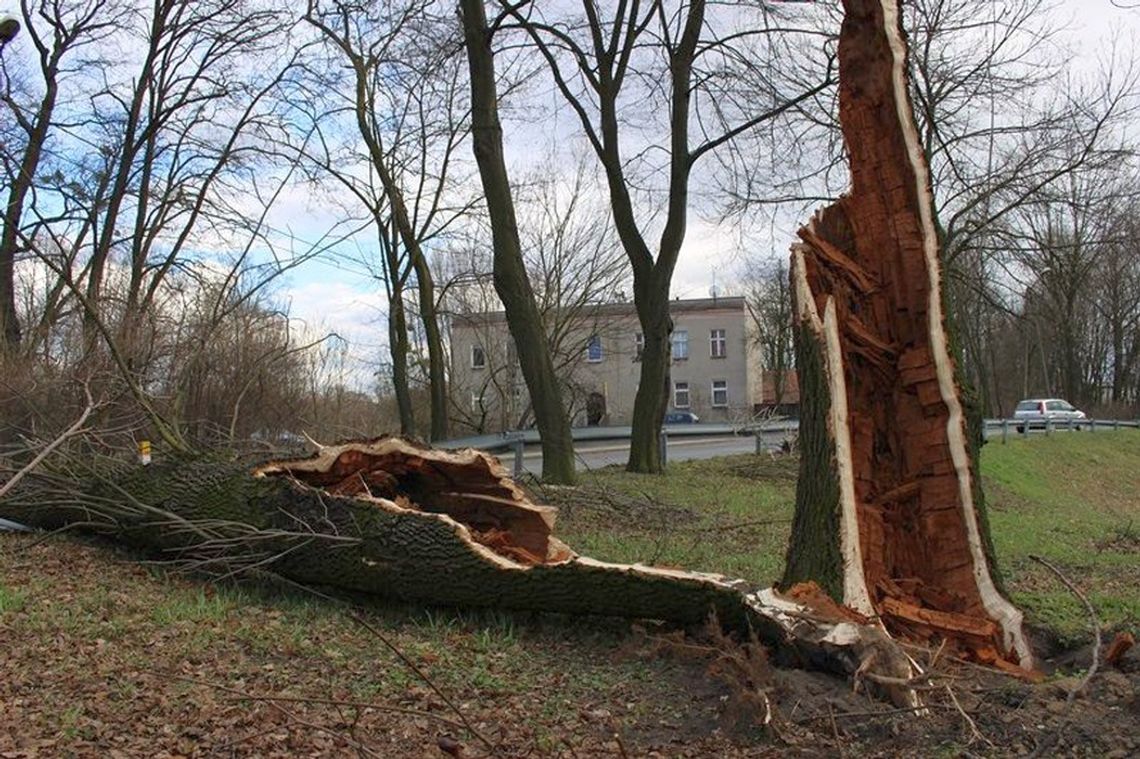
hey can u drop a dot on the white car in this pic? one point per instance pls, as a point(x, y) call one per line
point(1035, 412)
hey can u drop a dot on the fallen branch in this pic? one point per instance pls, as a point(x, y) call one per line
point(975, 732)
point(390, 518)
point(75, 428)
point(359, 619)
point(360, 747)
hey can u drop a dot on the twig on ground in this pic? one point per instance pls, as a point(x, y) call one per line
point(871, 713)
point(737, 525)
point(976, 734)
point(834, 728)
point(1093, 618)
point(360, 620)
point(272, 702)
point(620, 743)
point(353, 704)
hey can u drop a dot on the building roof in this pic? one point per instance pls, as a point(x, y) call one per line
point(625, 308)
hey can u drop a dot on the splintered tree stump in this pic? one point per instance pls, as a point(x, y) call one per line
point(889, 513)
point(394, 519)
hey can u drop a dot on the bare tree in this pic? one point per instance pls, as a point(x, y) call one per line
point(605, 65)
point(576, 264)
point(1003, 121)
point(58, 32)
point(411, 115)
point(512, 284)
point(769, 299)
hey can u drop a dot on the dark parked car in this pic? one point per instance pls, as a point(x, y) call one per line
point(1035, 412)
point(681, 417)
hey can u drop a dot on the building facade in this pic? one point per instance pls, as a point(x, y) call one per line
point(715, 369)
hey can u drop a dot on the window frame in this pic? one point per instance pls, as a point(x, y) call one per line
point(677, 388)
point(638, 345)
point(482, 353)
point(719, 337)
point(594, 341)
point(723, 389)
point(674, 342)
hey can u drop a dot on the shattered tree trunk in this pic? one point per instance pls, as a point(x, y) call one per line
point(389, 518)
point(889, 513)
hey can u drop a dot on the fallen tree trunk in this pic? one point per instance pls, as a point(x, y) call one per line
point(390, 518)
point(889, 512)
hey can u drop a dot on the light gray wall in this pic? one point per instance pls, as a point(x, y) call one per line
point(616, 375)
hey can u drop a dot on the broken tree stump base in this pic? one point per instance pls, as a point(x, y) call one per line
point(390, 518)
point(889, 518)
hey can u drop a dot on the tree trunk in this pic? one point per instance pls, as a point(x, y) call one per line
point(511, 282)
point(437, 359)
point(652, 398)
point(18, 191)
point(398, 348)
point(387, 517)
point(889, 515)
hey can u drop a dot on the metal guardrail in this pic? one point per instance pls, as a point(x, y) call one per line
point(502, 441)
point(1024, 427)
point(516, 442)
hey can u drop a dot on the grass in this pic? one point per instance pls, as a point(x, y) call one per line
point(102, 636)
point(10, 600)
point(730, 515)
point(1073, 499)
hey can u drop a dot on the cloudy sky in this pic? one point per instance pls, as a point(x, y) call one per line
point(335, 294)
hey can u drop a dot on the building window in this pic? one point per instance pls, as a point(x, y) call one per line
point(718, 345)
point(638, 346)
point(594, 349)
point(719, 393)
point(476, 401)
point(680, 345)
point(680, 395)
point(478, 357)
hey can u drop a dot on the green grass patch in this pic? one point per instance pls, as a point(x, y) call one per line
point(730, 515)
point(11, 600)
point(207, 603)
point(1073, 499)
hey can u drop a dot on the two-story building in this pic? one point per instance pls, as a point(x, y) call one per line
point(715, 371)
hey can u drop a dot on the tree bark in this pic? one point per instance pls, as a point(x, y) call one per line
point(510, 276)
point(390, 518)
point(398, 348)
point(437, 358)
point(889, 514)
point(652, 397)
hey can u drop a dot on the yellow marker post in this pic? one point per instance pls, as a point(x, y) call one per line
point(144, 452)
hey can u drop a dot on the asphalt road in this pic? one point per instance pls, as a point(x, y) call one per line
point(616, 452)
point(594, 455)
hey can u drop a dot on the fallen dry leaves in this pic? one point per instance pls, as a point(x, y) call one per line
point(101, 656)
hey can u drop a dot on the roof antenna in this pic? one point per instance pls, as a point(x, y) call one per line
point(714, 291)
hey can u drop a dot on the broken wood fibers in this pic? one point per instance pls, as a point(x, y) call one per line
point(889, 514)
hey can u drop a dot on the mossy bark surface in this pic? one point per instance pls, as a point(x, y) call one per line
point(814, 551)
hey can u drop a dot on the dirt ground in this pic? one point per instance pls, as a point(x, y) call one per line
point(103, 656)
